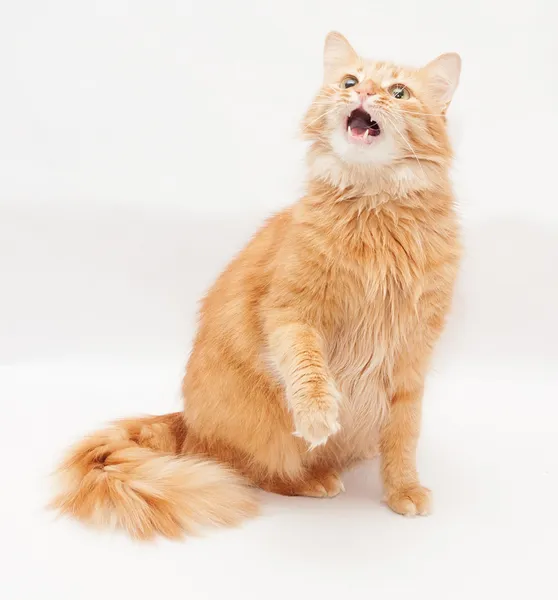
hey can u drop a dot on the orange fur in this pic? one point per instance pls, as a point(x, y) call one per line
point(131, 477)
point(317, 336)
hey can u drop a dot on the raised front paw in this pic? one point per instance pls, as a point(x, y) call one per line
point(316, 418)
point(410, 501)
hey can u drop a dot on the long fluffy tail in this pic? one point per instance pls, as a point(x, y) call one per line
point(130, 476)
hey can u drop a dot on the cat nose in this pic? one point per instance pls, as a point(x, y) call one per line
point(366, 88)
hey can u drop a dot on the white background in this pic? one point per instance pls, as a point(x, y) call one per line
point(140, 145)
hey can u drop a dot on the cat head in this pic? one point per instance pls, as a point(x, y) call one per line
point(376, 119)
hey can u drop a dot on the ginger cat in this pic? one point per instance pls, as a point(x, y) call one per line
point(314, 343)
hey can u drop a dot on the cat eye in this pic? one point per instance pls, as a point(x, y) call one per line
point(400, 92)
point(349, 81)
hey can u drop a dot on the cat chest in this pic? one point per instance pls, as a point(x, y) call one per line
point(372, 322)
point(371, 331)
point(361, 363)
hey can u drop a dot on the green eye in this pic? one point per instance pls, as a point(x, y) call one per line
point(349, 81)
point(400, 92)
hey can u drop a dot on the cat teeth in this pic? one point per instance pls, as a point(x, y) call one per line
point(365, 136)
point(349, 130)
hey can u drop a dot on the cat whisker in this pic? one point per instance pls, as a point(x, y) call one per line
point(423, 157)
point(420, 126)
point(306, 125)
point(399, 120)
point(405, 140)
point(320, 104)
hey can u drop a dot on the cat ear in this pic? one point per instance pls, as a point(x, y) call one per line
point(442, 76)
point(338, 56)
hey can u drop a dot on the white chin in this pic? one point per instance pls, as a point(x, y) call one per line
point(380, 151)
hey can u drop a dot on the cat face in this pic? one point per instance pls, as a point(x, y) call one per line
point(376, 114)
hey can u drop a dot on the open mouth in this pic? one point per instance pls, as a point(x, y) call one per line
point(361, 127)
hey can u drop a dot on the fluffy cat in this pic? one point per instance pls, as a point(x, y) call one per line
point(314, 343)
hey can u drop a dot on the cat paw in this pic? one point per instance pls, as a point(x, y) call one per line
point(410, 501)
point(326, 485)
point(316, 419)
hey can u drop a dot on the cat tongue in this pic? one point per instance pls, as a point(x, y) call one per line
point(359, 125)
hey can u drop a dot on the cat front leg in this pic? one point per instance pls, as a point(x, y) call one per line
point(311, 393)
point(398, 443)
